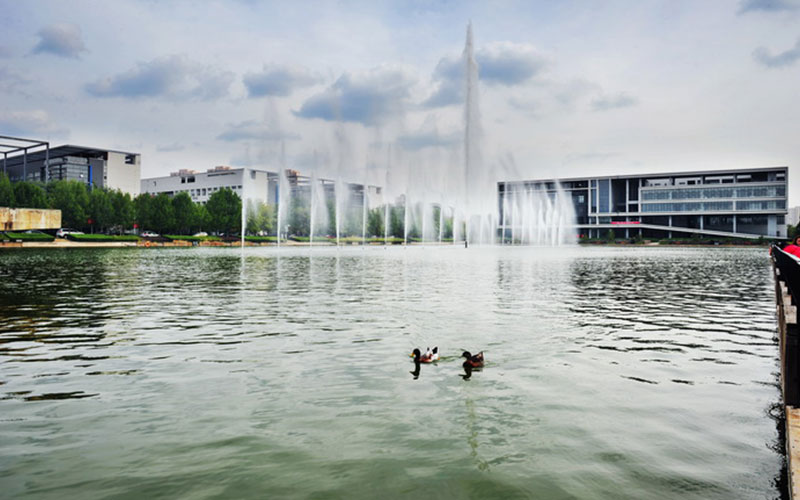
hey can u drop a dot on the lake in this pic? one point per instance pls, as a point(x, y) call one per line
point(612, 372)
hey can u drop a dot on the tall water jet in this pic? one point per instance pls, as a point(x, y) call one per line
point(339, 194)
point(312, 217)
point(474, 178)
point(284, 194)
point(405, 220)
point(244, 203)
point(364, 200)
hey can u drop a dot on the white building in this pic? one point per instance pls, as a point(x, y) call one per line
point(246, 182)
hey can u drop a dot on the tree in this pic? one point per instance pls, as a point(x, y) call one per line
point(299, 217)
point(225, 209)
point(375, 222)
point(448, 228)
point(183, 208)
point(72, 199)
point(201, 220)
point(141, 205)
point(397, 221)
point(101, 211)
point(6, 192)
point(162, 215)
point(29, 195)
point(124, 212)
point(260, 218)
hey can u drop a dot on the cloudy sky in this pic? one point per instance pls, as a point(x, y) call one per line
point(566, 88)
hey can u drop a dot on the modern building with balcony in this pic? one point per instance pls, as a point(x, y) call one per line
point(742, 203)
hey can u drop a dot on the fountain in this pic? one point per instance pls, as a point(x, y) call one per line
point(462, 188)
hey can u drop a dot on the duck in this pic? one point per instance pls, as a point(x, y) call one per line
point(430, 355)
point(472, 361)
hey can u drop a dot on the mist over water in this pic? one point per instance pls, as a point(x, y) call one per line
point(611, 373)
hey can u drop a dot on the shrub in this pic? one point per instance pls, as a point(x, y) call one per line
point(101, 237)
point(191, 238)
point(262, 239)
point(29, 236)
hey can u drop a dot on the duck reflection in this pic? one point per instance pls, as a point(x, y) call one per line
point(415, 373)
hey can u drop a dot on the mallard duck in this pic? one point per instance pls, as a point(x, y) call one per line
point(430, 355)
point(475, 361)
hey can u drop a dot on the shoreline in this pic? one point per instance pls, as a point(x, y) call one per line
point(64, 243)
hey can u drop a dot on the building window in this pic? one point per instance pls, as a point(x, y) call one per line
point(603, 187)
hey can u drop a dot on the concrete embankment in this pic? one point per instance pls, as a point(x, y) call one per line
point(787, 289)
point(64, 243)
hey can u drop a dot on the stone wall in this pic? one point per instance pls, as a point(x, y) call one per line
point(22, 219)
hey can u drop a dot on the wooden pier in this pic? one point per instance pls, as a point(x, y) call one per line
point(786, 270)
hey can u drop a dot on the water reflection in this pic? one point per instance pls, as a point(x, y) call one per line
point(602, 360)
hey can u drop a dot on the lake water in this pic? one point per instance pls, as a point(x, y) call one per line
point(641, 373)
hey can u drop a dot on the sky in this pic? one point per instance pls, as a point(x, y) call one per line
point(567, 89)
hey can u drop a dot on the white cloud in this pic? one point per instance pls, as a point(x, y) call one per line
point(29, 123)
point(785, 58)
point(369, 97)
point(173, 76)
point(505, 64)
point(64, 40)
point(276, 80)
point(252, 130)
point(617, 101)
point(767, 6)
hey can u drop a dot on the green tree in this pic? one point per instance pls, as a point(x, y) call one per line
point(72, 199)
point(6, 192)
point(141, 205)
point(299, 217)
point(101, 211)
point(29, 195)
point(610, 236)
point(183, 208)
point(124, 212)
point(225, 209)
point(397, 221)
point(201, 220)
point(162, 215)
point(260, 218)
point(448, 228)
point(331, 217)
point(375, 222)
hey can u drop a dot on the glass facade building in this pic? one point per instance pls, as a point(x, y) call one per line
point(747, 203)
point(95, 167)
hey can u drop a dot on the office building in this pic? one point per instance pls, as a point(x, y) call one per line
point(747, 203)
point(32, 160)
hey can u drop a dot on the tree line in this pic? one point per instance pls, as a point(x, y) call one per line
point(102, 210)
point(109, 211)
